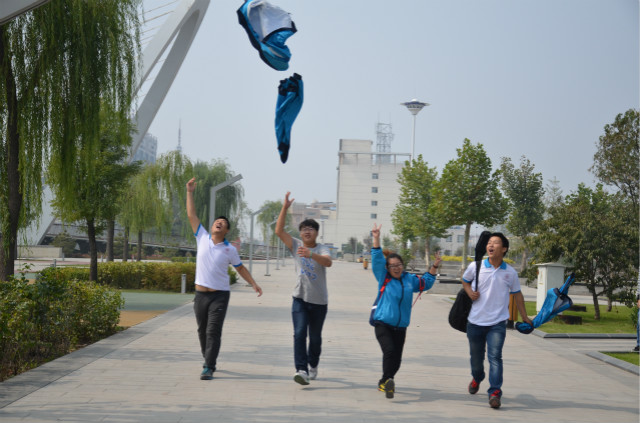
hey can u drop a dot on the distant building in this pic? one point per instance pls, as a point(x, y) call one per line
point(368, 191)
point(147, 150)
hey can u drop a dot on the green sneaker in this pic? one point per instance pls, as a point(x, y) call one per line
point(207, 374)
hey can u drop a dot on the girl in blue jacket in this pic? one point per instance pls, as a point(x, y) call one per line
point(393, 313)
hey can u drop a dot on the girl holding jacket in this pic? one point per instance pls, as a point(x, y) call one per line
point(392, 315)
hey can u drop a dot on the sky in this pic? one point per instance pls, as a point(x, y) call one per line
point(533, 78)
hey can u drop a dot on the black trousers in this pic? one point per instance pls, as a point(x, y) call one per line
point(391, 342)
point(210, 309)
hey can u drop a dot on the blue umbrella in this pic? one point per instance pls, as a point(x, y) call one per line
point(268, 28)
point(290, 97)
point(556, 302)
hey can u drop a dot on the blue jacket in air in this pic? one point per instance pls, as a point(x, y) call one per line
point(394, 307)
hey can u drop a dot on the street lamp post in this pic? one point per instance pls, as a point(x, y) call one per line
point(414, 106)
point(269, 244)
point(251, 240)
point(212, 196)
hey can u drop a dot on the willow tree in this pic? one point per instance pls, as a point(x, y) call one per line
point(145, 205)
point(58, 65)
point(99, 180)
point(228, 199)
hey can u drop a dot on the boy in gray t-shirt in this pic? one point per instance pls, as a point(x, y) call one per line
point(310, 296)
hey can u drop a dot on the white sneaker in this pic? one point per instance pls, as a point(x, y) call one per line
point(301, 377)
point(313, 373)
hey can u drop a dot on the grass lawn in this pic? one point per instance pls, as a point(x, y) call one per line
point(618, 320)
point(632, 357)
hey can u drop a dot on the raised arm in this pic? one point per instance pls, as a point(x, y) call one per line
point(375, 232)
point(282, 219)
point(191, 205)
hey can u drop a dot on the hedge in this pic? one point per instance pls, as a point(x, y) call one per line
point(51, 317)
point(154, 276)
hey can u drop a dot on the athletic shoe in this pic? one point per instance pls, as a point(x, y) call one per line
point(389, 388)
point(637, 348)
point(473, 386)
point(301, 377)
point(313, 373)
point(207, 373)
point(381, 385)
point(494, 399)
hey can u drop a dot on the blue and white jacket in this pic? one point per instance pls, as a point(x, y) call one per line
point(394, 307)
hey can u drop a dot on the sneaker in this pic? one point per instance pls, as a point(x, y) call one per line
point(207, 373)
point(381, 385)
point(637, 348)
point(473, 386)
point(301, 377)
point(389, 388)
point(313, 373)
point(494, 399)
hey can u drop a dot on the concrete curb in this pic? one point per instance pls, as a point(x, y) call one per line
point(621, 364)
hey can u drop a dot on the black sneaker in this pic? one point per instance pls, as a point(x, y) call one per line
point(207, 374)
point(637, 348)
point(494, 399)
point(389, 388)
point(473, 386)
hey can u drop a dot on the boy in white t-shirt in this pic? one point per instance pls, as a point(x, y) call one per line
point(487, 322)
point(214, 255)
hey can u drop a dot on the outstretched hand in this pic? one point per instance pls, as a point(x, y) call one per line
point(191, 185)
point(375, 232)
point(287, 203)
point(437, 259)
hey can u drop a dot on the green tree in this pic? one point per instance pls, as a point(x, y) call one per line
point(412, 218)
point(523, 189)
point(228, 199)
point(467, 192)
point(267, 217)
point(590, 233)
point(99, 179)
point(63, 240)
point(59, 64)
point(617, 160)
point(146, 206)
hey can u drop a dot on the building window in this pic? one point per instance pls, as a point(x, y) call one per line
point(374, 216)
point(460, 238)
point(374, 189)
point(449, 239)
point(374, 176)
point(374, 203)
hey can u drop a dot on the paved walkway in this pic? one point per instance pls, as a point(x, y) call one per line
point(150, 372)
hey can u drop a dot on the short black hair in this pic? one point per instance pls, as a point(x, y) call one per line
point(393, 255)
point(225, 219)
point(309, 223)
point(505, 241)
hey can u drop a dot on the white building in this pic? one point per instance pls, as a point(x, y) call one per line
point(368, 191)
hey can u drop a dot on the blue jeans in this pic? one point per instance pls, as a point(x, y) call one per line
point(307, 318)
point(493, 337)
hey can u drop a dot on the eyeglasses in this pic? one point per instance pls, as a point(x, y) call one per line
point(307, 229)
point(395, 266)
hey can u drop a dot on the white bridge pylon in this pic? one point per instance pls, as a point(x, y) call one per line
point(183, 24)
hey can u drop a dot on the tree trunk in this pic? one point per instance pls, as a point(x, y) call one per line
point(427, 253)
point(465, 247)
point(609, 303)
point(596, 306)
point(10, 239)
point(93, 250)
point(140, 245)
point(125, 244)
point(111, 228)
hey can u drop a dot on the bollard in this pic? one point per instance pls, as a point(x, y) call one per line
point(183, 284)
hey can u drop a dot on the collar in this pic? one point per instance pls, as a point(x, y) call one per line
point(502, 266)
point(224, 241)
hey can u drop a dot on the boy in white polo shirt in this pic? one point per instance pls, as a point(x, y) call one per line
point(214, 255)
point(487, 323)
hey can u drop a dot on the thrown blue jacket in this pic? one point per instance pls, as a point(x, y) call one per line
point(394, 307)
